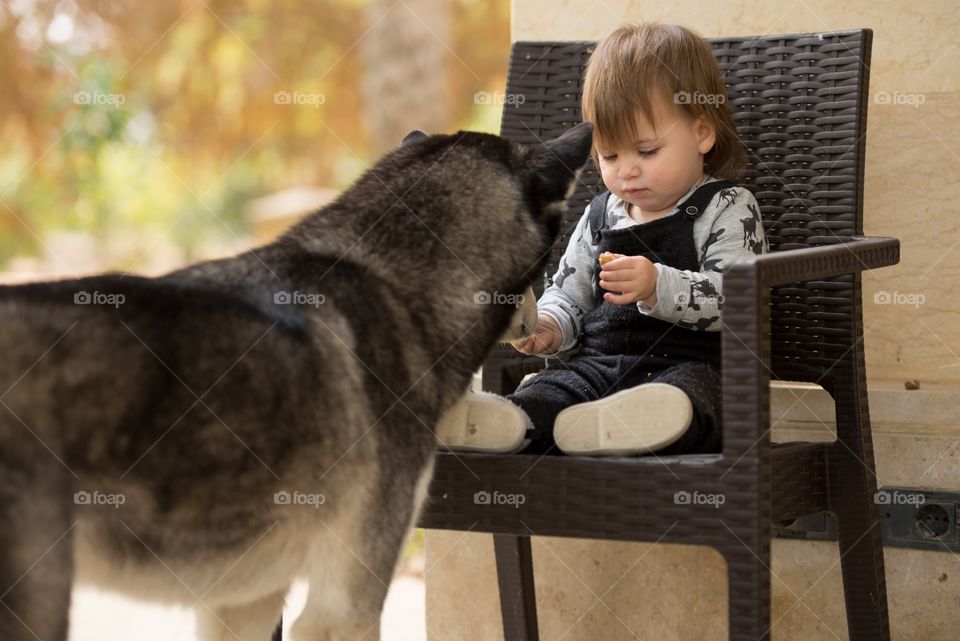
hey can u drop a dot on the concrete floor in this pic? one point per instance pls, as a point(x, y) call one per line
point(102, 616)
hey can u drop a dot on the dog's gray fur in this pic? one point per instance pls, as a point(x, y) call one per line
point(198, 396)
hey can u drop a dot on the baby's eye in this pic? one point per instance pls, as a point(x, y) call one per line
point(608, 158)
point(649, 152)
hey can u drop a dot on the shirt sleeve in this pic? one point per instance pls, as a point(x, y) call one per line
point(694, 299)
point(571, 295)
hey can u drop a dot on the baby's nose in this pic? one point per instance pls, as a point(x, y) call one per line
point(628, 170)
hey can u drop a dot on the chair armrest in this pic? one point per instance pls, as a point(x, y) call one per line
point(860, 254)
point(745, 337)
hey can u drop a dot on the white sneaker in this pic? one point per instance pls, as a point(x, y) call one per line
point(483, 422)
point(637, 420)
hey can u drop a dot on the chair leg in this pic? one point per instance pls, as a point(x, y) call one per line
point(853, 486)
point(518, 602)
point(748, 580)
point(864, 584)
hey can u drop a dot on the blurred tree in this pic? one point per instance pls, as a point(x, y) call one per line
point(135, 122)
point(405, 78)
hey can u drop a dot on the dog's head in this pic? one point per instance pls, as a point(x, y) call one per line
point(496, 206)
point(478, 213)
point(501, 206)
point(468, 217)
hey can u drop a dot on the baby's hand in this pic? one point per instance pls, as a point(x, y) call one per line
point(628, 279)
point(546, 338)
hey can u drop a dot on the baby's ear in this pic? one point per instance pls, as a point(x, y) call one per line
point(413, 136)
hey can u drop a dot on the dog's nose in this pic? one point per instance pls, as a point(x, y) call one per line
point(524, 319)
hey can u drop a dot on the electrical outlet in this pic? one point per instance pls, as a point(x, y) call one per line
point(909, 518)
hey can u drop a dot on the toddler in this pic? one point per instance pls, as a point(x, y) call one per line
point(630, 324)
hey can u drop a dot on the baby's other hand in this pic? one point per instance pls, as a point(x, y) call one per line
point(546, 338)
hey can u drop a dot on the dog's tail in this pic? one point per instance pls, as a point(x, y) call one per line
point(36, 536)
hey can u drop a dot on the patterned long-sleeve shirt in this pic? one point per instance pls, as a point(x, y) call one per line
point(729, 229)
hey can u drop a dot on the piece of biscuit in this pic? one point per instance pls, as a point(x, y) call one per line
point(605, 258)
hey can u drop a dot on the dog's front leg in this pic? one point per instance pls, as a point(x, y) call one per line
point(344, 602)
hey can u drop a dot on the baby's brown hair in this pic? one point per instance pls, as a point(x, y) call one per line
point(642, 60)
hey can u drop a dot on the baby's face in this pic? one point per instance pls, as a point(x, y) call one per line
point(656, 171)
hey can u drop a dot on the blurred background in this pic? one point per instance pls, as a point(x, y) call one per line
point(138, 136)
point(141, 136)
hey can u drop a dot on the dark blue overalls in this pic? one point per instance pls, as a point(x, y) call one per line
point(621, 348)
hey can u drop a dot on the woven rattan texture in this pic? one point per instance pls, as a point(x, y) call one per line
point(795, 102)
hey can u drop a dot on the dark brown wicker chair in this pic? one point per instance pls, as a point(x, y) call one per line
point(800, 102)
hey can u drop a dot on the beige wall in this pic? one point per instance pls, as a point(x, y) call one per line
point(913, 152)
point(589, 590)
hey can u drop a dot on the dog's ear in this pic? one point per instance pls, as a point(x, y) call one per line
point(413, 136)
point(554, 164)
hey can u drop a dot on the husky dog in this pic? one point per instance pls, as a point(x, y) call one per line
point(211, 435)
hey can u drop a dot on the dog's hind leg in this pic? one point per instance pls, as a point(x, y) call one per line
point(36, 539)
point(243, 622)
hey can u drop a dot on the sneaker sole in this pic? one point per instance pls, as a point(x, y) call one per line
point(659, 416)
point(483, 424)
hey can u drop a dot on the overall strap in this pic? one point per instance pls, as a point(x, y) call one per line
point(692, 206)
point(598, 215)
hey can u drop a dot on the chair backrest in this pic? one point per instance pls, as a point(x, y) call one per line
point(800, 103)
